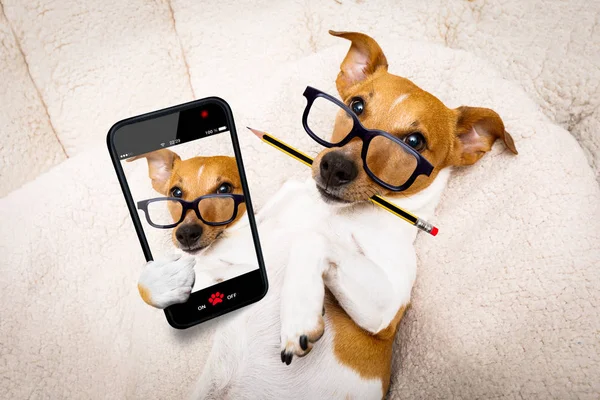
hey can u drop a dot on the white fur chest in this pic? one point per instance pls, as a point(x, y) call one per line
point(362, 229)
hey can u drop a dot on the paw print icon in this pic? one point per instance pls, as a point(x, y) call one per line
point(216, 298)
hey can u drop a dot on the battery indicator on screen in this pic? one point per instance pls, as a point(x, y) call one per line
point(222, 128)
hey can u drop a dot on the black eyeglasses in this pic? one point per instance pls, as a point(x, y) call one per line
point(212, 209)
point(402, 165)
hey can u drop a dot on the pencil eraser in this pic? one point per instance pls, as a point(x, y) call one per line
point(434, 231)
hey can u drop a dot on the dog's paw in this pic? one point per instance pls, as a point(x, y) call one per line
point(167, 281)
point(299, 333)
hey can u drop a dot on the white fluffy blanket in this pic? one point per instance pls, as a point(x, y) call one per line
point(507, 296)
point(71, 68)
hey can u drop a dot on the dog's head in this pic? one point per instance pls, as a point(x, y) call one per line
point(189, 179)
point(444, 136)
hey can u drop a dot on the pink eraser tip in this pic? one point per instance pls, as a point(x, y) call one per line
point(434, 231)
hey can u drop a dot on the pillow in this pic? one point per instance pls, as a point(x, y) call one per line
point(29, 143)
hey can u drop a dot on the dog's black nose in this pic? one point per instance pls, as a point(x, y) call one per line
point(188, 234)
point(336, 169)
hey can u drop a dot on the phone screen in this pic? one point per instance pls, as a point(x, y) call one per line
point(184, 176)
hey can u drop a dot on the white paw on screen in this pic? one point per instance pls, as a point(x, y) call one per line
point(167, 281)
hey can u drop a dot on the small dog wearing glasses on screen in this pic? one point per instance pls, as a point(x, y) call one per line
point(340, 269)
point(204, 199)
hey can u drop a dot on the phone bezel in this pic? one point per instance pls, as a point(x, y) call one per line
point(173, 313)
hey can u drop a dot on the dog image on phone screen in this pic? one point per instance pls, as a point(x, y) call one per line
point(196, 179)
point(340, 269)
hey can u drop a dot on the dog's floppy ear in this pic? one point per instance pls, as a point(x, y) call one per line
point(160, 167)
point(363, 59)
point(476, 131)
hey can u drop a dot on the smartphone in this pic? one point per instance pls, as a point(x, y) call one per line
point(183, 179)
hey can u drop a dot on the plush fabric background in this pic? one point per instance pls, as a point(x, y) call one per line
point(80, 66)
point(507, 296)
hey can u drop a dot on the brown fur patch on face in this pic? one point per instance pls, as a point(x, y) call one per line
point(200, 176)
point(369, 355)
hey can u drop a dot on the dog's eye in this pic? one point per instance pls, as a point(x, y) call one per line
point(416, 141)
point(225, 188)
point(176, 192)
point(357, 105)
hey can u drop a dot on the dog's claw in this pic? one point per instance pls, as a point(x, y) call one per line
point(304, 342)
point(286, 357)
point(301, 343)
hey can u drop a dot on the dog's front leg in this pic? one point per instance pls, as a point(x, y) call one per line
point(302, 296)
point(365, 291)
point(167, 281)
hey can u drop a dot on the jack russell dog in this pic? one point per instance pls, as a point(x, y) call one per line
point(340, 269)
point(190, 179)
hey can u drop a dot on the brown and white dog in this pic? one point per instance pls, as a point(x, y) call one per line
point(341, 270)
point(189, 179)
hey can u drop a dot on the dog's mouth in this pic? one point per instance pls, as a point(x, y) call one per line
point(193, 250)
point(330, 197)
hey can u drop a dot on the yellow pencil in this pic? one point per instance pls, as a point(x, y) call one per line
point(380, 201)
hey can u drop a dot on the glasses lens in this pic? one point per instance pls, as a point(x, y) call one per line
point(389, 161)
point(164, 212)
point(328, 121)
point(217, 209)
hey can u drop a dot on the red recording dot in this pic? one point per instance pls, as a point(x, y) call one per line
point(204, 113)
